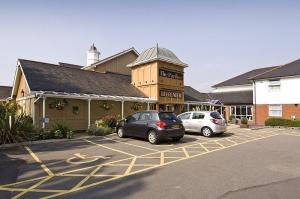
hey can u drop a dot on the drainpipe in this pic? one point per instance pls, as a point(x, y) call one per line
point(44, 112)
point(254, 93)
point(89, 113)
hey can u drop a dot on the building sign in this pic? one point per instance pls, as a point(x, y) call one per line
point(170, 93)
point(170, 74)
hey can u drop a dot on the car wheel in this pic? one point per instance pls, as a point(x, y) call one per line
point(121, 133)
point(153, 137)
point(206, 132)
point(177, 138)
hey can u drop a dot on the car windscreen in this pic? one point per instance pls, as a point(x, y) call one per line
point(167, 116)
point(215, 115)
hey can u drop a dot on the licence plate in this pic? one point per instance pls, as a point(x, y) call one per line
point(175, 126)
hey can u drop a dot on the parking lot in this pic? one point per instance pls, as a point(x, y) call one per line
point(59, 169)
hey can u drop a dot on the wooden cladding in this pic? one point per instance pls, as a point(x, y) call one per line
point(170, 74)
point(170, 93)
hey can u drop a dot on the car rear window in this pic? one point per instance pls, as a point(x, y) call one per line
point(167, 116)
point(215, 115)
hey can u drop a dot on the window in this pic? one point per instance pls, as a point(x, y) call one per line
point(132, 118)
point(274, 85)
point(198, 116)
point(167, 116)
point(216, 115)
point(146, 116)
point(241, 111)
point(185, 116)
point(275, 110)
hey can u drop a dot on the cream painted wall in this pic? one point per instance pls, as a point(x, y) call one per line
point(289, 92)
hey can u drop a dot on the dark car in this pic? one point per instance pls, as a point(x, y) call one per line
point(152, 125)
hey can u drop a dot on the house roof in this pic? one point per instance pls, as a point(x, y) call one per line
point(191, 94)
point(245, 77)
point(157, 54)
point(5, 92)
point(70, 65)
point(112, 57)
point(290, 69)
point(233, 98)
point(50, 77)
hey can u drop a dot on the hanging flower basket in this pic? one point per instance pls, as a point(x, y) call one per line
point(58, 104)
point(136, 106)
point(106, 105)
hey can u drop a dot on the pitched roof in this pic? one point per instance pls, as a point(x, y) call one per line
point(290, 69)
point(157, 53)
point(50, 77)
point(5, 92)
point(70, 65)
point(191, 94)
point(132, 49)
point(234, 98)
point(245, 77)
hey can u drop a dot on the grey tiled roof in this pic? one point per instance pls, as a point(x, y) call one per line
point(244, 78)
point(5, 92)
point(191, 94)
point(234, 98)
point(70, 65)
point(157, 53)
point(290, 69)
point(50, 77)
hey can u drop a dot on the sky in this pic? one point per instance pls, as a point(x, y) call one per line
point(218, 39)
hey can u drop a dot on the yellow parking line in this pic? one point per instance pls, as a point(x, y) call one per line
point(109, 148)
point(130, 166)
point(203, 147)
point(185, 152)
point(87, 177)
point(32, 187)
point(44, 167)
point(220, 144)
point(162, 158)
point(132, 144)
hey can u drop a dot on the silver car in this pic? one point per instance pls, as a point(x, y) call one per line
point(205, 122)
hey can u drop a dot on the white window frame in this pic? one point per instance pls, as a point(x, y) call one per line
point(248, 115)
point(274, 85)
point(275, 110)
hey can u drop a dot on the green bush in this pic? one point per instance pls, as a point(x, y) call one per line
point(231, 117)
point(99, 130)
point(244, 120)
point(63, 128)
point(70, 134)
point(45, 134)
point(282, 122)
point(58, 134)
point(107, 121)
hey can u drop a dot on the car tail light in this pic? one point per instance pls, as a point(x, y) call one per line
point(160, 124)
point(215, 121)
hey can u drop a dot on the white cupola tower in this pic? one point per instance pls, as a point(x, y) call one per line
point(92, 55)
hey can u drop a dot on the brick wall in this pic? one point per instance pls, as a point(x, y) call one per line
point(262, 112)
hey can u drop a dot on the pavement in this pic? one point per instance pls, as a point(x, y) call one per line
point(242, 163)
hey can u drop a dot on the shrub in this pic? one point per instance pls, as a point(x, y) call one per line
point(46, 134)
point(70, 134)
point(63, 128)
point(244, 120)
point(282, 122)
point(58, 134)
point(99, 130)
point(231, 117)
point(14, 127)
point(109, 121)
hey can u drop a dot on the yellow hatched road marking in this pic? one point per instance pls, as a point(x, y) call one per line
point(32, 187)
point(44, 167)
point(130, 166)
point(162, 158)
point(87, 177)
point(220, 144)
point(203, 147)
point(109, 148)
point(130, 144)
point(185, 152)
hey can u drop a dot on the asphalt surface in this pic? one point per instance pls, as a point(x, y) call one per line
point(240, 164)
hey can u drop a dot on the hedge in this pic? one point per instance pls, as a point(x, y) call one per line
point(282, 122)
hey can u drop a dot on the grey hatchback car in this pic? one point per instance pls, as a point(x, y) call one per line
point(204, 122)
point(152, 125)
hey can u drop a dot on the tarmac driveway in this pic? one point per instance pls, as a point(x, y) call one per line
point(91, 167)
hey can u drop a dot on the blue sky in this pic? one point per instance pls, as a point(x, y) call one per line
point(218, 39)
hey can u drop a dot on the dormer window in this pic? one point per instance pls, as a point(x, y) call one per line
point(274, 85)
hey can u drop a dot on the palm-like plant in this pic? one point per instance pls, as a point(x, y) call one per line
point(13, 127)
